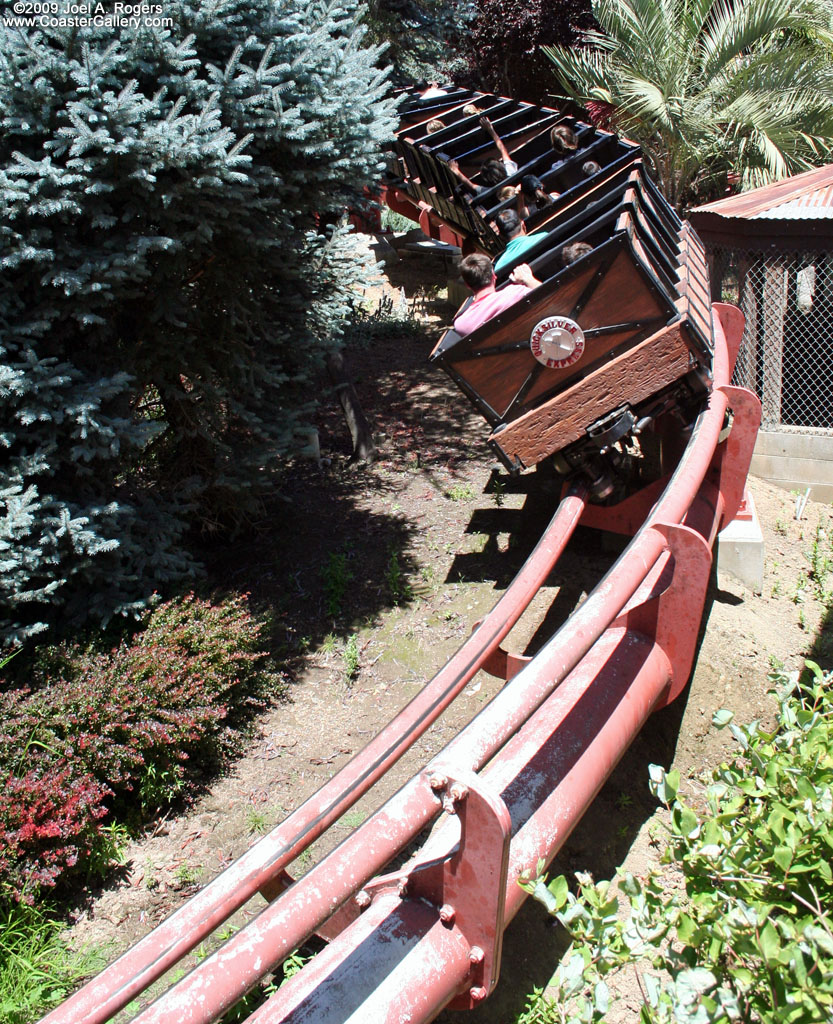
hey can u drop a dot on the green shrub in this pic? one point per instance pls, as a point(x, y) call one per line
point(751, 937)
point(110, 728)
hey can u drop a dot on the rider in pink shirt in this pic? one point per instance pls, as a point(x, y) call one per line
point(478, 273)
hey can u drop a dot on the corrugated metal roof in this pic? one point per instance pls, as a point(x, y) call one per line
point(807, 196)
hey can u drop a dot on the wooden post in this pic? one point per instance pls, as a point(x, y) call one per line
point(364, 450)
point(774, 301)
point(749, 300)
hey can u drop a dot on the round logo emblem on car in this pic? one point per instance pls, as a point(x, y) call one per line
point(557, 342)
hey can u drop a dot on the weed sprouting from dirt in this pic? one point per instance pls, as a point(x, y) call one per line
point(351, 658)
point(398, 585)
point(460, 492)
point(187, 874)
point(335, 577)
point(821, 563)
point(257, 822)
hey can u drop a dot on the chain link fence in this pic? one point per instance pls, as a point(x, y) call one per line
point(786, 356)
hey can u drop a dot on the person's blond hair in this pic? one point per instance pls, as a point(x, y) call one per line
point(434, 126)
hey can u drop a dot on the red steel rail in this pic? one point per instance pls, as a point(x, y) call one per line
point(262, 865)
point(429, 935)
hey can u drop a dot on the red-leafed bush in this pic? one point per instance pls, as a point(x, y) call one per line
point(47, 821)
point(96, 728)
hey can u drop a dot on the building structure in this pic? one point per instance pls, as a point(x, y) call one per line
point(770, 250)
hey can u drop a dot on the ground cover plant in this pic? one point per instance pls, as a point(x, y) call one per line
point(747, 933)
point(37, 969)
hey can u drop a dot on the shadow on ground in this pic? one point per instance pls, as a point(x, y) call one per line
point(334, 547)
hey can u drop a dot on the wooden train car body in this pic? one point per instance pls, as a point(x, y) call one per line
point(605, 344)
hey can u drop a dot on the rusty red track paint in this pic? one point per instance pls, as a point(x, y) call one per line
point(138, 968)
point(552, 768)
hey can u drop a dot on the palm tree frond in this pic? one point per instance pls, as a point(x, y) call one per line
point(705, 85)
point(738, 29)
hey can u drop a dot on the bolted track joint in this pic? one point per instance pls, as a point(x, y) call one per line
point(447, 914)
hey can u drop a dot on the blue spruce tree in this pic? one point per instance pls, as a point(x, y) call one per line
point(168, 285)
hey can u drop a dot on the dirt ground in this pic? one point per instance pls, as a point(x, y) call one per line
point(375, 575)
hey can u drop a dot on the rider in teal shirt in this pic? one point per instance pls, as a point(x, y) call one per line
point(512, 227)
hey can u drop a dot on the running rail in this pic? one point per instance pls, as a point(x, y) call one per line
point(406, 944)
point(263, 865)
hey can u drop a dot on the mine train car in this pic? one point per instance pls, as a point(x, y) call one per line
point(605, 345)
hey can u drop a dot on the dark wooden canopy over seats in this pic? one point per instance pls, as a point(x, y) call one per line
point(605, 343)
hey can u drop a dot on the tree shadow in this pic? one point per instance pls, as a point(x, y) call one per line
point(334, 549)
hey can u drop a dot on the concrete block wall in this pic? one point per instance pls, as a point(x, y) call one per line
point(796, 461)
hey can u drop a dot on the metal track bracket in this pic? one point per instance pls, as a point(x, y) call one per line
point(469, 887)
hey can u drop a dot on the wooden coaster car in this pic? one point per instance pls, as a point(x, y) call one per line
point(624, 327)
point(604, 344)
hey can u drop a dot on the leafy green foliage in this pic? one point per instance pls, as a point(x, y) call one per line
point(392, 221)
point(460, 492)
point(108, 850)
point(257, 822)
point(188, 874)
point(709, 89)
point(821, 563)
point(351, 658)
point(95, 731)
point(751, 936)
point(498, 491)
